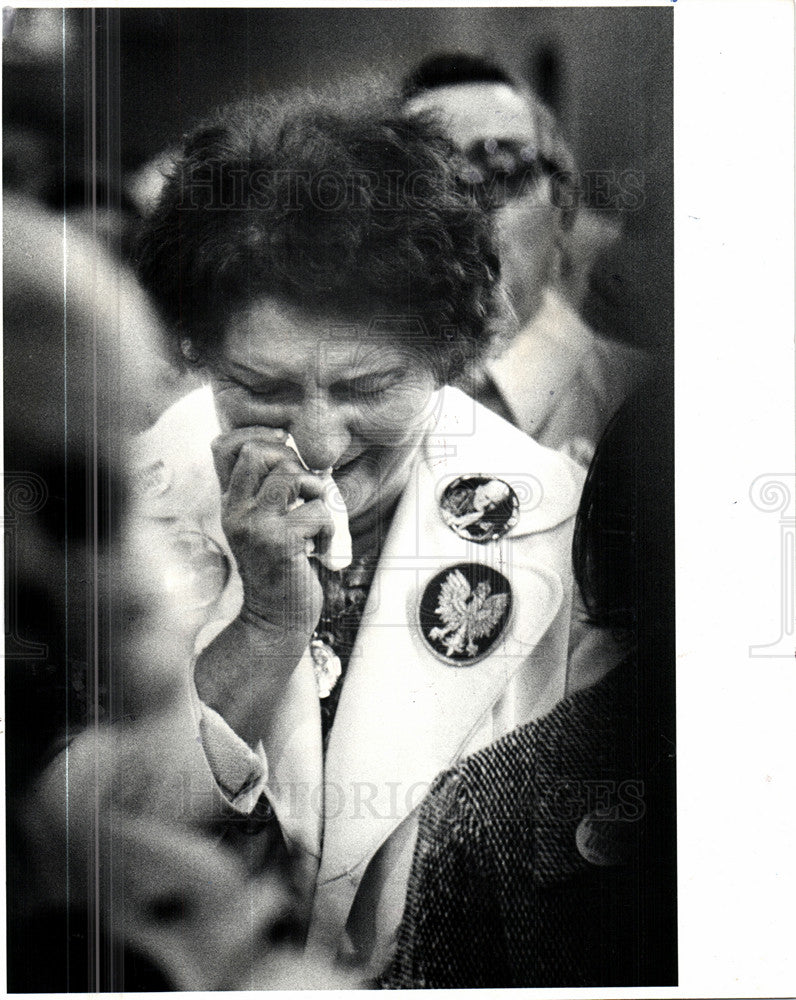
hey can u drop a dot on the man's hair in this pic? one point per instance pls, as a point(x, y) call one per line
point(451, 69)
point(335, 203)
point(447, 69)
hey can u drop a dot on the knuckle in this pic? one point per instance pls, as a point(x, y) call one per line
point(273, 493)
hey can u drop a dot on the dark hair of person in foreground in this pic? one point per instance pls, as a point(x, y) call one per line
point(448, 69)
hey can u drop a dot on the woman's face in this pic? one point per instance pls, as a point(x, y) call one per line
point(355, 401)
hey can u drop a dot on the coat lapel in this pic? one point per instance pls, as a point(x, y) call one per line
point(404, 713)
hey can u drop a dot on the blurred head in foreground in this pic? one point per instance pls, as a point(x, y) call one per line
point(83, 368)
point(97, 650)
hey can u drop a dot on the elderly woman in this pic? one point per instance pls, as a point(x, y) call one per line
point(318, 260)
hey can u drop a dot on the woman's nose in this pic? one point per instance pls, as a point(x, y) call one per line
point(321, 434)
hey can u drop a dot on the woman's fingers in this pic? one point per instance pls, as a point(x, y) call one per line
point(258, 462)
point(312, 520)
point(268, 527)
point(226, 448)
point(269, 491)
point(282, 488)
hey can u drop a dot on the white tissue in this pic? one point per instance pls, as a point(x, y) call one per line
point(336, 555)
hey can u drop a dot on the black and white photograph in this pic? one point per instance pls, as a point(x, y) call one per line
point(339, 469)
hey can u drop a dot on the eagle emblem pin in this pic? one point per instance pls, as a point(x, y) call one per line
point(463, 612)
point(479, 508)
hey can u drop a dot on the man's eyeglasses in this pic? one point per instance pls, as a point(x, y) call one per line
point(499, 170)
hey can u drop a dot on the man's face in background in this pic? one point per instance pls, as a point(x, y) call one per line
point(494, 125)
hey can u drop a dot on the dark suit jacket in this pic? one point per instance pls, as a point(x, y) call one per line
point(533, 865)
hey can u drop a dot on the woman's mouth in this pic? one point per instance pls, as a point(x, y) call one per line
point(346, 464)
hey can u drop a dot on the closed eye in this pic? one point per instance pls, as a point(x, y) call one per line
point(364, 387)
point(283, 391)
point(269, 391)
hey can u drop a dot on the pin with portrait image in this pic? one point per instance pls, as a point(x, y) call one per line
point(479, 508)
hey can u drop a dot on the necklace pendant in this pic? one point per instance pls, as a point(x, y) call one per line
point(326, 664)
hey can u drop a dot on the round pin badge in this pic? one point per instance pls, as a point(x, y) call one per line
point(463, 612)
point(479, 508)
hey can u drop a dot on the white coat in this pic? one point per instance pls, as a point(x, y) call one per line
point(404, 713)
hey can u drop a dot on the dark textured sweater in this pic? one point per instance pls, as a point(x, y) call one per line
point(532, 865)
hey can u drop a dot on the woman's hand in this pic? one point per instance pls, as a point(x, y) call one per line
point(261, 480)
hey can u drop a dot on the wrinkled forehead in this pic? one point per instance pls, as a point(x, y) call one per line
point(476, 111)
point(272, 335)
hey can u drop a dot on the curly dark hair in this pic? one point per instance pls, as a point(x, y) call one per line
point(334, 203)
